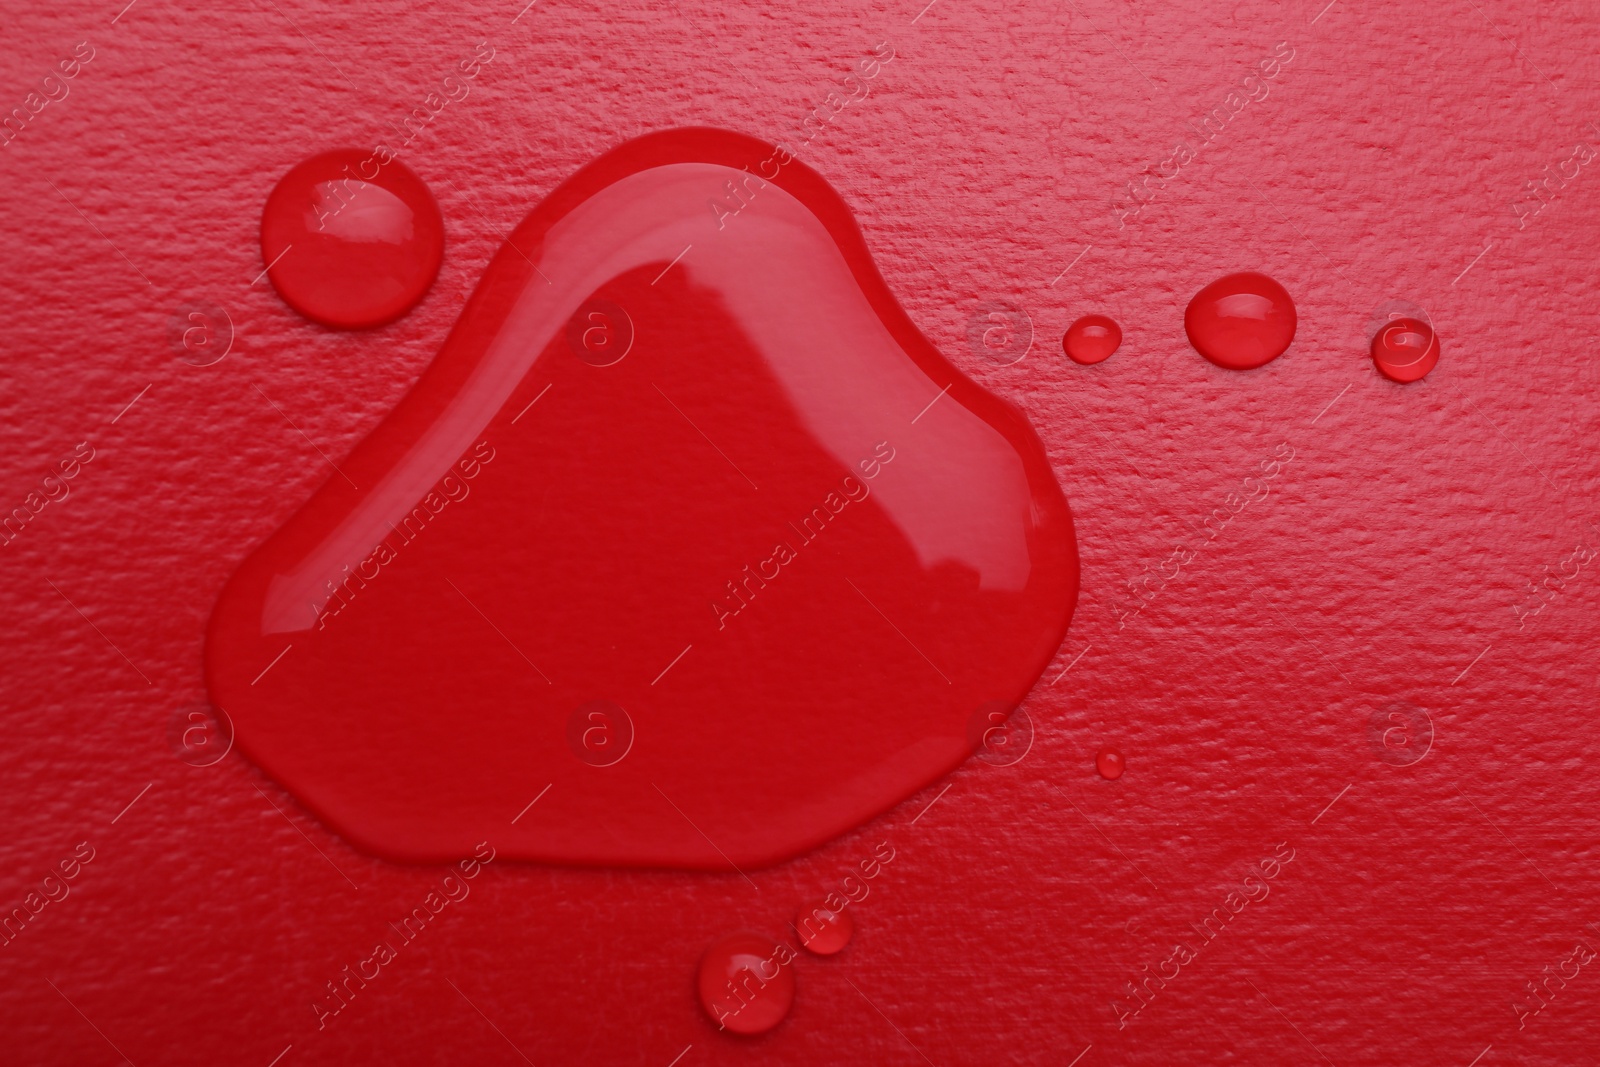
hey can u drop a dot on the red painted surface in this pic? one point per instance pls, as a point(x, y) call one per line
point(1327, 568)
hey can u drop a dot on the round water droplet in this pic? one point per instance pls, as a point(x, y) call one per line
point(823, 930)
point(351, 242)
point(1091, 339)
point(1405, 350)
point(746, 983)
point(1110, 764)
point(1241, 321)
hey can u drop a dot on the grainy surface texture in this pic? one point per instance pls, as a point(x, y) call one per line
point(1420, 571)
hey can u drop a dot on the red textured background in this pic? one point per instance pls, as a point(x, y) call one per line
point(1388, 564)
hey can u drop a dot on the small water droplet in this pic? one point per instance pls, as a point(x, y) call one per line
point(1405, 350)
point(1091, 339)
point(1241, 321)
point(350, 242)
point(1110, 764)
point(746, 982)
point(823, 930)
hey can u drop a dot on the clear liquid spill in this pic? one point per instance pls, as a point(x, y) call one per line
point(1091, 339)
point(746, 983)
point(823, 930)
point(1110, 764)
point(683, 454)
point(350, 241)
point(1241, 321)
point(1405, 350)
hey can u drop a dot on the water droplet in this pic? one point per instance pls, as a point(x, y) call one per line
point(1110, 764)
point(823, 930)
point(349, 242)
point(746, 982)
point(1241, 321)
point(1091, 339)
point(1405, 350)
point(562, 511)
